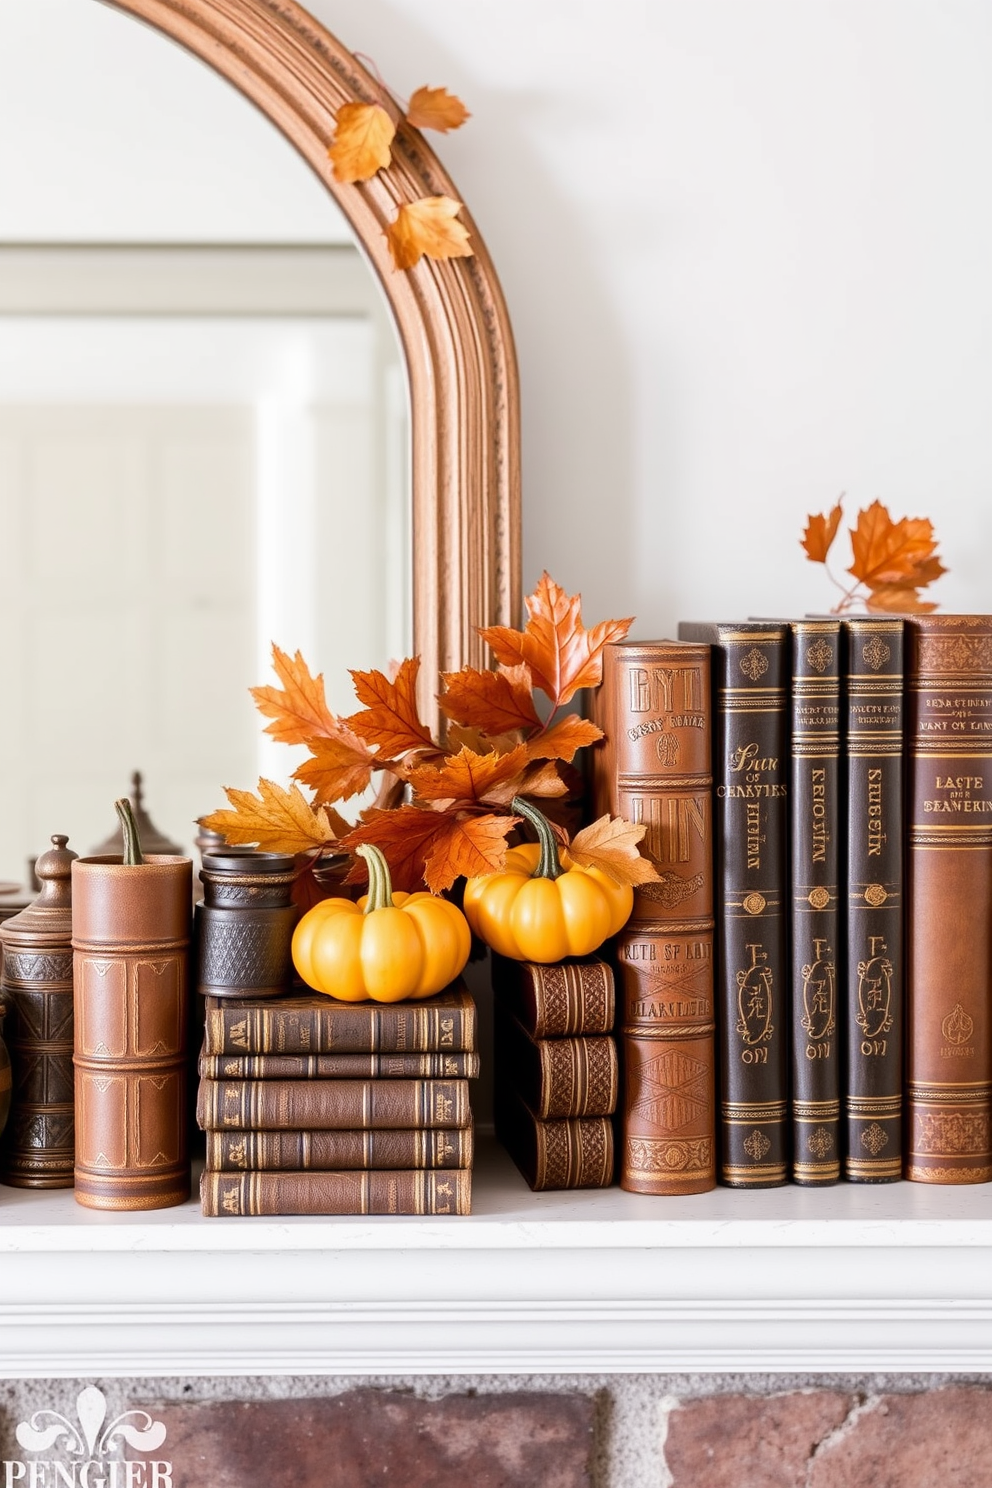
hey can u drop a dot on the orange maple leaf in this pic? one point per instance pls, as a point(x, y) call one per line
point(467, 776)
point(299, 711)
point(562, 655)
point(470, 845)
point(363, 135)
point(390, 719)
point(429, 226)
point(898, 599)
point(436, 108)
point(564, 739)
point(611, 844)
point(341, 766)
point(429, 846)
point(277, 820)
point(495, 702)
point(887, 552)
point(819, 535)
point(540, 779)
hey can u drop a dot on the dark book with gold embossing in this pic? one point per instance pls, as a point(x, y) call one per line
point(654, 767)
point(751, 790)
point(875, 900)
point(361, 1191)
point(816, 952)
point(558, 1000)
point(560, 1077)
point(949, 909)
point(297, 1151)
point(571, 1153)
point(309, 1023)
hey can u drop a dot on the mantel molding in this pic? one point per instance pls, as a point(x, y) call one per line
point(450, 316)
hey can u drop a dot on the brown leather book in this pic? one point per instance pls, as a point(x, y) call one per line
point(299, 1151)
point(751, 773)
point(949, 910)
point(875, 898)
point(654, 766)
point(313, 1024)
point(557, 1078)
point(558, 1000)
point(339, 1067)
point(817, 964)
point(576, 1153)
point(406, 1191)
point(274, 1105)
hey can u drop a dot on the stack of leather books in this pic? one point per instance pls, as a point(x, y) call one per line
point(556, 1072)
point(312, 1106)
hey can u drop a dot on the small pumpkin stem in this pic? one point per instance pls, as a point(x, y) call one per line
point(549, 863)
point(132, 844)
point(380, 894)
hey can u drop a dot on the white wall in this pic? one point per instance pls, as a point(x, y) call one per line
point(745, 244)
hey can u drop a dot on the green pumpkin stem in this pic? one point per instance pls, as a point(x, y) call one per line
point(380, 894)
point(549, 863)
point(132, 845)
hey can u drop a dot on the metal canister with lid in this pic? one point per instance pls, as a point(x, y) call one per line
point(245, 923)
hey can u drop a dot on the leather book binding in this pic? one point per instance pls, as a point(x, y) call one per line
point(557, 1078)
point(654, 767)
point(272, 1105)
point(403, 1191)
point(576, 1153)
point(751, 788)
point(314, 1024)
point(560, 1000)
point(949, 909)
point(130, 938)
point(339, 1067)
point(815, 901)
point(298, 1151)
point(875, 898)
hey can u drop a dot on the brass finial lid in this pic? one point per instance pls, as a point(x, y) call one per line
point(48, 918)
point(151, 839)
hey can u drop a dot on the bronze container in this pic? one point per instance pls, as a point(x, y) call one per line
point(130, 938)
point(244, 927)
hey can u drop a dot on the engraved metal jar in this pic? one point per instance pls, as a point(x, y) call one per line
point(244, 926)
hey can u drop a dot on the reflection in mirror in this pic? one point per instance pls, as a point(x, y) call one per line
point(203, 444)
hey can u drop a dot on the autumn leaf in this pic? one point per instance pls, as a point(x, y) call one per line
point(277, 820)
point(469, 846)
point(341, 766)
point(561, 654)
point(467, 776)
point(479, 741)
point(362, 137)
point(887, 552)
point(541, 780)
point(298, 710)
point(390, 720)
point(897, 599)
point(436, 108)
point(611, 844)
point(564, 739)
point(421, 845)
point(429, 226)
point(819, 535)
point(495, 702)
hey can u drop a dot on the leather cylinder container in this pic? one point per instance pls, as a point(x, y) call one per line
point(244, 927)
point(130, 940)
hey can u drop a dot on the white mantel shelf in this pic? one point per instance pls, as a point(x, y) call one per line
point(896, 1277)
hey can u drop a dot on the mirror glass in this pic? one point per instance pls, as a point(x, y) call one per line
point(203, 432)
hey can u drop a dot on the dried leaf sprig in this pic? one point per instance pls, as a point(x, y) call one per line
point(362, 146)
point(891, 560)
point(457, 814)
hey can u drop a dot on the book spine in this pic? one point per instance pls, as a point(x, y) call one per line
point(555, 1155)
point(331, 1104)
point(339, 1067)
point(403, 1191)
point(562, 1000)
point(654, 768)
point(300, 1151)
point(949, 909)
point(815, 901)
point(558, 1078)
point(341, 1028)
point(875, 899)
point(751, 775)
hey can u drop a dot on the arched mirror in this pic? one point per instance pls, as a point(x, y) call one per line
point(224, 418)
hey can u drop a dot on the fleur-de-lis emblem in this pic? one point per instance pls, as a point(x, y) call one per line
point(90, 1439)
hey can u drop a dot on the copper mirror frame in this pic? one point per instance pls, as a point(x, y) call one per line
point(450, 316)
